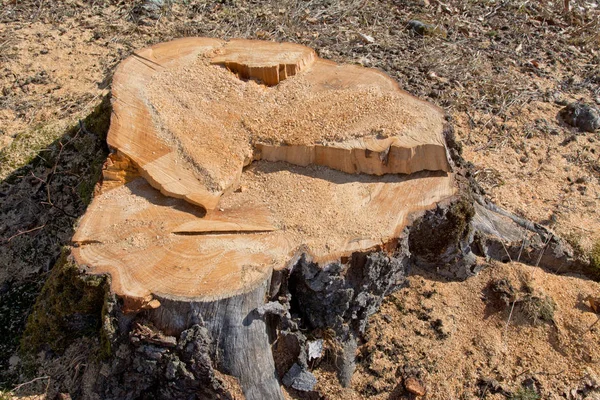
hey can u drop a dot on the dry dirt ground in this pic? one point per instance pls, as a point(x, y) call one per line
point(502, 69)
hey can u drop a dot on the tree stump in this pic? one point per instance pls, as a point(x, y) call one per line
point(248, 171)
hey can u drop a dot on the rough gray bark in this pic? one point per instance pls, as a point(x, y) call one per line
point(145, 361)
point(241, 342)
point(338, 297)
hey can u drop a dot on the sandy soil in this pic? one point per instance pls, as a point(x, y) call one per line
point(502, 70)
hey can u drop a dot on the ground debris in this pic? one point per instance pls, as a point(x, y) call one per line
point(423, 29)
point(300, 379)
point(581, 115)
point(415, 386)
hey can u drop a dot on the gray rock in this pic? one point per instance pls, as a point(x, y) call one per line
point(152, 9)
point(423, 29)
point(299, 379)
point(581, 115)
point(418, 27)
point(155, 5)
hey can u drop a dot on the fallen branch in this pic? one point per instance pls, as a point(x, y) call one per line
point(24, 232)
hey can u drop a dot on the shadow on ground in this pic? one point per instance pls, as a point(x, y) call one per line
point(39, 206)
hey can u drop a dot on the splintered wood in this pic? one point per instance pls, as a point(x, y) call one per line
point(250, 153)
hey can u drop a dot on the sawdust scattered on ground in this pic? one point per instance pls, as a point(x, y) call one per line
point(457, 338)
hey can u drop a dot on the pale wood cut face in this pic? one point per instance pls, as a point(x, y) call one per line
point(191, 125)
point(218, 180)
point(152, 244)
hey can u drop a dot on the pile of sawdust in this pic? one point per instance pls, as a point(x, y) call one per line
point(200, 98)
point(213, 119)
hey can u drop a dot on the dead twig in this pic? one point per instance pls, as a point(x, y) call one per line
point(550, 236)
point(509, 317)
point(39, 378)
point(24, 232)
point(591, 326)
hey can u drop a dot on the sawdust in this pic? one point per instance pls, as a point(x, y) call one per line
point(199, 99)
point(214, 120)
point(454, 338)
point(327, 210)
point(535, 172)
point(130, 231)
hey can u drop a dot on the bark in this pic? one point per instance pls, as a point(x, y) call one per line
point(240, 337)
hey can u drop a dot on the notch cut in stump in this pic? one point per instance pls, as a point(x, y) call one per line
point(235, 159)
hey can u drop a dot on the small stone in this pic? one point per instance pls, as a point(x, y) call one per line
point(524, 159)
point(44, 51)
point(561, 101)
point(154, 5)
point(423, 29)
point(366, 38)
point(418, 27)
point(581, 115)
point(414, 386)
point(273, 308)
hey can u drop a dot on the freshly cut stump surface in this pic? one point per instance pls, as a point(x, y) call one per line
point(283, 152)
point(191, 125)
point(232, 159)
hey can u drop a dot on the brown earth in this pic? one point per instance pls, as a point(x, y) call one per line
point(502, 70)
